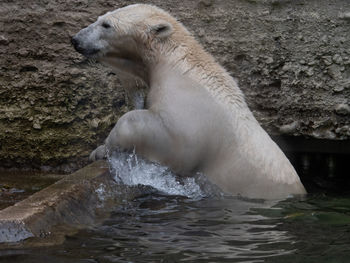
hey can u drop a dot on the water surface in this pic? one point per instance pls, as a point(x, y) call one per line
point(185, 220)
point(18, 185)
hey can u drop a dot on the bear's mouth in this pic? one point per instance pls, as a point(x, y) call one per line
point(87, 52)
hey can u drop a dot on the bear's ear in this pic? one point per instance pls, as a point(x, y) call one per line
point(162, 29)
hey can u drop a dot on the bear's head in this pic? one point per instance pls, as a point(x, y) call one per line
point(129, 37)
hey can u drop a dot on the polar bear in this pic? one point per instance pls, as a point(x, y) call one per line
point(195, 117)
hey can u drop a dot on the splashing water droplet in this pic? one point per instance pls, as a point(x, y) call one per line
point(130, 169)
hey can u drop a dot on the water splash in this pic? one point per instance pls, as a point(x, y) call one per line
point(130, 169)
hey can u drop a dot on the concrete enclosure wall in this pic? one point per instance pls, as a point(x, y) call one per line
point(291, 58)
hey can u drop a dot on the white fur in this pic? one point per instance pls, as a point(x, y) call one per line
point(226, 143)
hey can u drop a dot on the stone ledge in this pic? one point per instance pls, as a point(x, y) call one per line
point(71, 201)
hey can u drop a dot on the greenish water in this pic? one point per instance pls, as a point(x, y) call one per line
point(161, 227)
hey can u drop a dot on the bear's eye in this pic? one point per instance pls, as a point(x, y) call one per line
point(106, 25)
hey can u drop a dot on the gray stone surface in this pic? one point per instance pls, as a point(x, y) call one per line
point(291, 58)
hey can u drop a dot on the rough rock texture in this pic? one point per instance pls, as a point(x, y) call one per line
point(291, 57)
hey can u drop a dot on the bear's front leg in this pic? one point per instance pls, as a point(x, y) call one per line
point(99, 153)
point(142, 130)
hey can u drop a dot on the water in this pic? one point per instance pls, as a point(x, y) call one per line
point(184, 220)
point(16, 186)
point(129, 169)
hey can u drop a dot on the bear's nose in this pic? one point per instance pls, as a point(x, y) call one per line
point(74, 42)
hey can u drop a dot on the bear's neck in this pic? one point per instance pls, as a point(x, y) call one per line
point(192, 61)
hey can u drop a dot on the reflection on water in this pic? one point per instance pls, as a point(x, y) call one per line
point(185, 221)
point(155, 228)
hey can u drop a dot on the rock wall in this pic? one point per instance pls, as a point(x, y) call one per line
point(291, 58)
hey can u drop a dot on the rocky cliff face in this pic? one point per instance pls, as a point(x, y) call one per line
point(291, 58)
